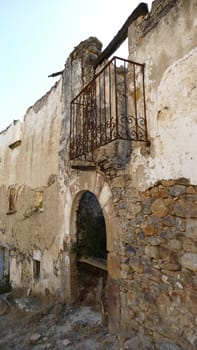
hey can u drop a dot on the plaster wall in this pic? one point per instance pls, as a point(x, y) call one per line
point(165, 41)
point(35, 159)
point(31, 166)
point(149, 201)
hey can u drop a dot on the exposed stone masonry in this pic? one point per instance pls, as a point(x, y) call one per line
point(158, 260)
point(147, 194)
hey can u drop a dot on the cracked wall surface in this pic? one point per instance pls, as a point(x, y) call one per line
point(30, 170)
point(148, 199)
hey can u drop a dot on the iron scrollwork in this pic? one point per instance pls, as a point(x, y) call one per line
point(100, 113)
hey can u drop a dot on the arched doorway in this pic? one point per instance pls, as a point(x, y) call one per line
point(94, 183)
point(91, 253)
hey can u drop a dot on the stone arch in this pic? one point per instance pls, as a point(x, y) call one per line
point(96, 184)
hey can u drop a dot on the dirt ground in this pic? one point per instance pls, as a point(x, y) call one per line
point(36, 324)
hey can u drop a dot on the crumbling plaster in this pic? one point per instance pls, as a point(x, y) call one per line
point(148, 201)
point(32, 166)
point(169, 52)
point(35, 159)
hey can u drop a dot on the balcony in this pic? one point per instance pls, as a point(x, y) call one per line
point(111, 107)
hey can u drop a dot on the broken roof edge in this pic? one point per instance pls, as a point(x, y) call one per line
point(140, 10)
point(14, 122)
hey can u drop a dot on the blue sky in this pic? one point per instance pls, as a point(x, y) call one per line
point(36, 37)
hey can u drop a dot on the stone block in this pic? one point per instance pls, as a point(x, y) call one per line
point(168, 220)
point(98, 184)
point(152, 252)
point(159, 208)
point(148, 297)
point(168, 182)
point(185, 209)
point(180, 224)
point(175, 244)
point(119, 181)
point(150, 230)
point(182, 181)
point(191, 228)
point(190, 246)
point(191, 197)
point(177, 190)
point(104, 195)
point(113, 306)
point(139, 268)
point(189, 261)
point(136, 208)
point(136, 264)
point(168, 254)
point(191, 190)
point(35, 338)
point(74, 187)
point(163, 193)
point(111, 224)
point(113, 266)
point(87, 180)
point(147, 193)
point(168, 346)
point(171, 266)
point(168, 201)
point(155, 192)
point(125, 267)
point(154, 241)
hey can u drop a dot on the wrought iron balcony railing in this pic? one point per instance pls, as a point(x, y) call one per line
point(111, 107)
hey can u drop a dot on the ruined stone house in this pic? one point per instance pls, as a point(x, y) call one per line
point(112, 146)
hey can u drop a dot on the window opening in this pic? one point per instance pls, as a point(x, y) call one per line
point(36, 269)
point(12, 200)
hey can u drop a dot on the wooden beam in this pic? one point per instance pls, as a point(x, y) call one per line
point(99, 263)
point(53, 75)
point(141, 10)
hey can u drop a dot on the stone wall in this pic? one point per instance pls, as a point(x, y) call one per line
point(158, 246)
point(148, 199)
point(155, 195)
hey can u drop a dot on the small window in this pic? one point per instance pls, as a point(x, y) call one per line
point(15, 144)
point(12, 199)
point(36, 269)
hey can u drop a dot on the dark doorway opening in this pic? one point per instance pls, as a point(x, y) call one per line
point(91, 253)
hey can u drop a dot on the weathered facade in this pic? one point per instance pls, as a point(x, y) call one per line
point(130, 141)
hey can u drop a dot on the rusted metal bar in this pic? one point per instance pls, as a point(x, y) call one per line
point(116, 97)
point(104, 106)
point(100, 113)
point(135, 101)
point(125, 95)
point(110, 98)
point(144, 99)
point(99, 73)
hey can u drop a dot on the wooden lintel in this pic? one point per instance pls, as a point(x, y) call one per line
point(84, 167)
point(141, 10)
point(99, 263)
